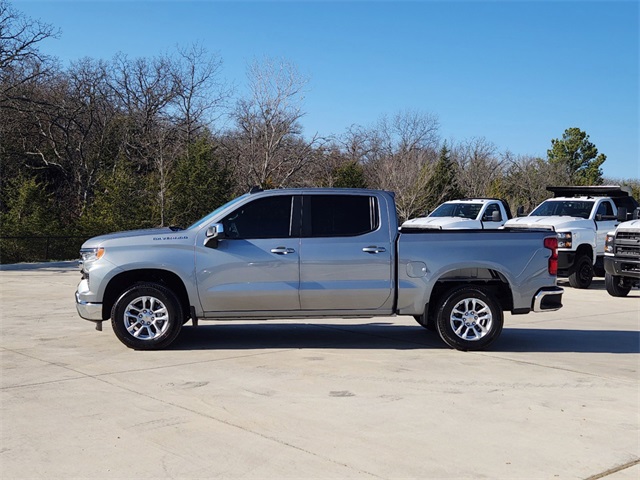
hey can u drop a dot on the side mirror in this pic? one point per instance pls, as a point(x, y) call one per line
point(214, 234)
point(520, 211)
point(636, 213)
point(622, 214)
point(495, 216)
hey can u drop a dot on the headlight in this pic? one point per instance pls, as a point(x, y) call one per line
point(609, 243)
point(91, 254)
point(564, 240)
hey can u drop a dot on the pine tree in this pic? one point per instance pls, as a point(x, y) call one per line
point(349, 175)
point(199, 184)
point(442, 185)
point(578, 156)
point(122, 202)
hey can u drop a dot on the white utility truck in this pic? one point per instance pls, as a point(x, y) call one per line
point(622, 257)
point(581, 218)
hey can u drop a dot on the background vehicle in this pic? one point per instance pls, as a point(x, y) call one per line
point(467, 213)
point(622, 258)
point(581, 218)
point(308, 253)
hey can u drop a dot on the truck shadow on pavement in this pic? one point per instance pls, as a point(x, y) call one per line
point(372, 336)
point(558, 340)
point(247, 336)
point(596, 284)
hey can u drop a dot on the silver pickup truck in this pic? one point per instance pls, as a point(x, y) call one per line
point(308, 253)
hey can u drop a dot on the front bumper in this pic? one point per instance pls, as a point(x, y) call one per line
point(87, 309)
point(620, 267)
point(548, 299)
point(566, 262)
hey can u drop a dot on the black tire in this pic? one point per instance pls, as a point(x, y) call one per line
point(616, 286)
point(426, 321)
point(148, 316)
point(469, 318)
point(583, 273)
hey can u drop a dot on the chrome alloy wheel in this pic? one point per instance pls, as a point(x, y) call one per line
point(471, 319)
point(146, 318)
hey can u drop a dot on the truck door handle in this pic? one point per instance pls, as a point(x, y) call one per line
point(282, 250)
point(373, 249)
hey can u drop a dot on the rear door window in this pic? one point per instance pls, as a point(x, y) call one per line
point(339, 215)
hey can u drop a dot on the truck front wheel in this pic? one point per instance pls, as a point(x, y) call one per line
point(469, 318)
point(616, 286)
point(583, 273)
point(148, 316)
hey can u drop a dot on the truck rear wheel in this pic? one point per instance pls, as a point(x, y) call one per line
point(148, 316)
point(616, 286)
point(469, 318)
point(583, 273)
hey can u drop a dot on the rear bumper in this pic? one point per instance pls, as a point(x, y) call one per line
point(548, 299)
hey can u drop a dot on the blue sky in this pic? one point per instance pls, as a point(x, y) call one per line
point(516, 73)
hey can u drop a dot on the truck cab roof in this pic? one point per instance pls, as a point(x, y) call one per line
point(573, 191)
point(619, 195)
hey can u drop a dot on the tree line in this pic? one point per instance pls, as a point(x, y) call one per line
point(105, 145)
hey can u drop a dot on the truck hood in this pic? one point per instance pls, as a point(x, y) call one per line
point(550, 223)
point(631, 225)
point(444, 223)
point(152, 233)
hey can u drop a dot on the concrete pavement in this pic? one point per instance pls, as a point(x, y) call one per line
point(556, 398)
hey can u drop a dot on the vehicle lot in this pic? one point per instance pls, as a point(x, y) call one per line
point(556, 397)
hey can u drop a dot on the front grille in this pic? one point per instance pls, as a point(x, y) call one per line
point(628, 244)
point(628, 236)
point(630, 267)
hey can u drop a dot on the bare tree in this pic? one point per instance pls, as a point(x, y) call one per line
point(200, 94)
point(479, 166)
point(144, 91)
point(20, 59)
point(268, 145)
point(527, 178)
point(399, 153)
point(66, 131)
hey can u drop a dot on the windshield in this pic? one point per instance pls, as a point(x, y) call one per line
point(460, 210)
point(567, 208)
point(206, 219)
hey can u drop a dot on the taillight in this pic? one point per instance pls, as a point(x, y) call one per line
point(552, 244)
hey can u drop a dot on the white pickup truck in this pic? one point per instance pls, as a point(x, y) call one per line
point(309, 253)
point(465, 214)
point(581, 218)
point(622, 258)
